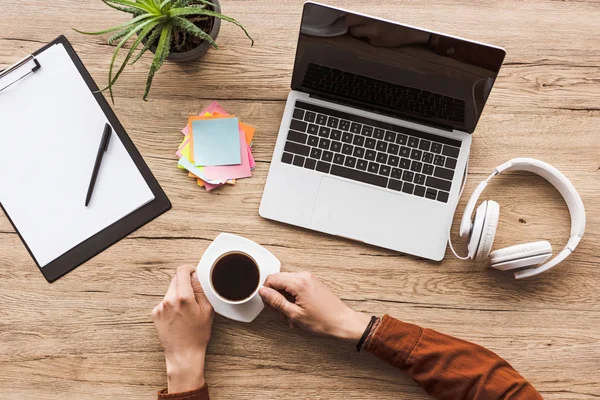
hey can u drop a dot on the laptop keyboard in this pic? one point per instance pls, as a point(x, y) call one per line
point(372, 91)
point(372, 152)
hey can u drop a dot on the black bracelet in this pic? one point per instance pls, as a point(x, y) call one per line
point(365, 334)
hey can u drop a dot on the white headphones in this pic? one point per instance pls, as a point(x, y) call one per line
point(482, 230)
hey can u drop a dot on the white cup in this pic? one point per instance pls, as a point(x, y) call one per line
point(247, 309)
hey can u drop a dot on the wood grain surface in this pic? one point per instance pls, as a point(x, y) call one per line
point(90, 335)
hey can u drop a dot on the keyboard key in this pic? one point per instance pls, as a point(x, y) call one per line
point(393, 149)
point(404, 151)
point(408, 188)
point(436, 148)
point(404, 163)
point(324, 143)
point(310, 116)
point(367, 131)
point(390, 136)
point(395, 185)
point(444, 173)
point(299, 126)
point(428, 169)
point(336, 146)
point(416, 154)
point(370, 143)
point(310, 163)
point(382, 146)
point(439, 160)
point(370, 155)
point(450, 162)
point(350, 162)
point(359, 152)
point(416, 166)
point(393, 161)
point(396, 173)
point(336, 134)
point(287, 158)
point(378, 133)
point(373, 167)
point(313, 129)
point(420, 179)
point(327, 156)
point(296, 148)
point(321, 119)
point(424, 145)
point(451, 151)
point(384, 170)
point(359, 176)
point(382, 158)
point(355, 128)
point(324, 131)
point(408, 176)
point(323, 166)
point(419, 191)
point(312, 141)
point(316, 153)
point(401, 139)
point(332, 122)
point(347, 149)
point(344, 125)
point(347, 137)
point(442, 196)
point(413, 142)
point(298, 113)
point(299, 160)
point(427, 157)
point(431, 193)
point(297, 137)
point(438, 183)
point(338, 159)
point(358, 140)
point(362, 164)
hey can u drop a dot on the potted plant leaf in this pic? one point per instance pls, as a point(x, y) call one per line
point(177, 30)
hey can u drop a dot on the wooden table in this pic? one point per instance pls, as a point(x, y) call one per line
point(90, 335)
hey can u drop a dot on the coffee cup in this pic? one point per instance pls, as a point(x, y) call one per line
point(231, 272)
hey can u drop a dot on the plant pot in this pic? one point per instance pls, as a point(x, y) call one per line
point(199, 51)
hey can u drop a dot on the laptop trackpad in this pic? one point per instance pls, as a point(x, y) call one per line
point(351, 210)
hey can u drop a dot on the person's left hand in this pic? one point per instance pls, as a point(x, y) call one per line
point(184, 321)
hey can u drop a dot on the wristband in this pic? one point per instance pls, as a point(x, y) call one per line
point(360, 343)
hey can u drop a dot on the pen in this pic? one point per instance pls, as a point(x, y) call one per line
point(101, 149)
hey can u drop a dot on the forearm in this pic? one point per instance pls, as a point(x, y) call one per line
point(447, 367)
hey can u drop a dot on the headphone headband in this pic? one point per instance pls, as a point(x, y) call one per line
point(564, 187)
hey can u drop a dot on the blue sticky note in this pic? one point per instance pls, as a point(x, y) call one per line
point(216, 142)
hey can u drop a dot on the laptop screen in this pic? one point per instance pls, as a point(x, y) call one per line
point(394, 69)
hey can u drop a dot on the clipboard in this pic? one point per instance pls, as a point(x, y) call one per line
point(118, 230)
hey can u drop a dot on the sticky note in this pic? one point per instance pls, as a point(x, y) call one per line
point(225, 172)
point(212, 108)
point(185, 163)
point(216, 142)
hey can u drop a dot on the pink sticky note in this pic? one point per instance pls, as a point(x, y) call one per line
point(210, 186)
point(212, 108)
point(225, 172)
point(251, 158)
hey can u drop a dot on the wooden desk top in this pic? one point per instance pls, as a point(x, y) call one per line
point(90, 335)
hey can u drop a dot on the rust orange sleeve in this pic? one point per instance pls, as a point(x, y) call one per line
point(446, 367)
point(198, 394)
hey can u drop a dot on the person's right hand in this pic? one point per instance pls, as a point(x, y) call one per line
point(315, 308)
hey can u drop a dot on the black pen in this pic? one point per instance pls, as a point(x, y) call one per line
point(103, 147)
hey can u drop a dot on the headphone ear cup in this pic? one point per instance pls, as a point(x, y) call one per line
point(488, 232)
point(521, 255)
point(480, 230)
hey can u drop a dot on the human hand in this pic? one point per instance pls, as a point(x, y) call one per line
point(315, 308)
point(183, 320)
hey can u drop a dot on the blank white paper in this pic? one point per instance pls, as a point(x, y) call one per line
point(50, 130)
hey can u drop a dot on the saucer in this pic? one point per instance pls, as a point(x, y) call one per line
point(267, 262)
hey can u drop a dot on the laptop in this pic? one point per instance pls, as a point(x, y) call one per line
point(376, 132)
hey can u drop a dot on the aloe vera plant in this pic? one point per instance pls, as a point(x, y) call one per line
point(156, 22)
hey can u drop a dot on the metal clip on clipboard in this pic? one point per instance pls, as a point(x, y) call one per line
point(18, 65)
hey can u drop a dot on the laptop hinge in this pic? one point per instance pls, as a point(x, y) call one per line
point(373, 110)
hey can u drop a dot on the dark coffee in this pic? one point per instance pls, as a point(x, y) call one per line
point(235, 277)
